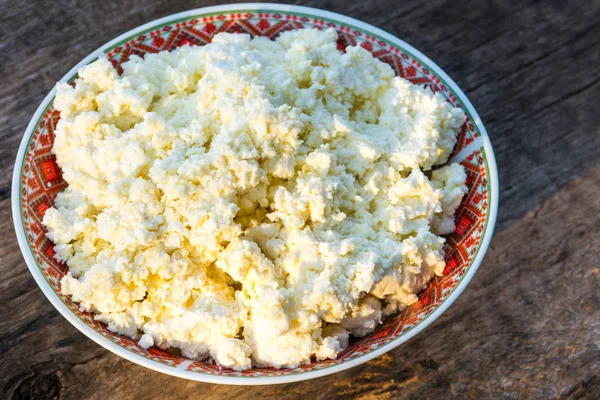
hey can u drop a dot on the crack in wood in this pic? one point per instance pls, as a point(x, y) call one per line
point(568, 96)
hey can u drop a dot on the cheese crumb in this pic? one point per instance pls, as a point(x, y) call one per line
point(252, 201)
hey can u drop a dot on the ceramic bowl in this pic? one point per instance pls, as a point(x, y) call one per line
point(37, 179)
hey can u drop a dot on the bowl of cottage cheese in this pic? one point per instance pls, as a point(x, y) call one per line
point(254, 194)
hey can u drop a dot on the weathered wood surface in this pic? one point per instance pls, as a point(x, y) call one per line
point(528, 326)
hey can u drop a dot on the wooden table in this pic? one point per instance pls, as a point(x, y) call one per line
point(528, 325)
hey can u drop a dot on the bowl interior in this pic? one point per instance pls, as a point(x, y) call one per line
point(41, 179)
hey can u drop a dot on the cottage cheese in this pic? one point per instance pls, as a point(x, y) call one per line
point(254, 202)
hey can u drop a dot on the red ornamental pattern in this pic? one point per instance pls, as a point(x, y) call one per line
point(41, 180)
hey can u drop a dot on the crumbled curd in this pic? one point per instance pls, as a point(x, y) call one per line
point(252, 201)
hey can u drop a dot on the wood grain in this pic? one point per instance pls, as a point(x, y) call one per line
point(528, 326)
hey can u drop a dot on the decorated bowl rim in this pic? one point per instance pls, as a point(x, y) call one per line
point(250, 380)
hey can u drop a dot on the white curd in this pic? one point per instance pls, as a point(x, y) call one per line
point(252, 201)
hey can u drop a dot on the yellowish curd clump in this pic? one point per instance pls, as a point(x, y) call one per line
point(252, 201)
